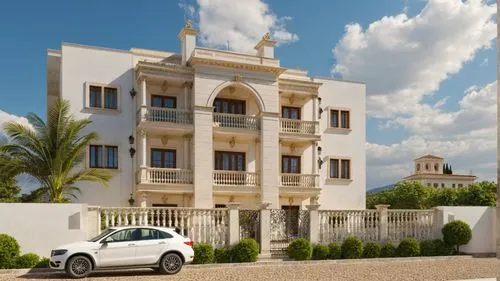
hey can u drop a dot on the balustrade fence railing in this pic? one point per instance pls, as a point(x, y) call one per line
point(278, 227)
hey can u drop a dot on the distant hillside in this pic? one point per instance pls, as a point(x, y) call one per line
point(381, 188)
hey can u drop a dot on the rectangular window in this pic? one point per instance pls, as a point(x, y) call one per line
point(103, 156)
point(290, 112)
point(163, 158)
point(95, 96)
point(344, 119)
point(334, 168)
point(429, 184)
point(230, 161)
point(435, 185)
point(290, 164)
point(453, 185)
point(220, 206)
point(111, 98)
point(460, 185)
point(334, 118)
point(230, 106)
point(102, 96)
point(442, 184)
point(163, 101)
point(345, 171)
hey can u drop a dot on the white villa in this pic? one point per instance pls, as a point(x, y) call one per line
point(205, 127)
point(429, 171)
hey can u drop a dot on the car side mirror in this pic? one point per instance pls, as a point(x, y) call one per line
point(106, 240)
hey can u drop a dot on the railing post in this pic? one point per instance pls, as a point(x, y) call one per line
point(265, 231)
point(383, 226)
point(313, 223)
point(234, 223)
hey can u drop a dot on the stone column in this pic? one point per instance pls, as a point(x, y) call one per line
point(313, 223)
point(203, 155)
point(143, 101)
point(142, 153)
point(185, 151)
point(383, 226)
point(234, 223)
point(265, 231)
point(270, 158)
point(187, 94)
point(314, 158)
point(315, 108)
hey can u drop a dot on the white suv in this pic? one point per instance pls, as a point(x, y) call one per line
point(125, 247)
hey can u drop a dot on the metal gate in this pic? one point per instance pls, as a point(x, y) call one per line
point(250, 224)
point(286, 225)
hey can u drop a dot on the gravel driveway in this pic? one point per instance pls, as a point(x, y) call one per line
point(452, 269)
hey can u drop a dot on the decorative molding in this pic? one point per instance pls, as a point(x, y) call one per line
point(164, 140)
point(164, 199)
point(270, 114)
point(232, 142)
point(238, 77)
point(292, 147)
point(203, 108)
point(238, 65)
point(164, 86)
point(188, 84)
point(143, 133)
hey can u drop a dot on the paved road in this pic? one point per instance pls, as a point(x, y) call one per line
point(428, 270)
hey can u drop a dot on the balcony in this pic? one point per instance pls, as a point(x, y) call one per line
point(165, 118)
point(231, 124)
point(165, 179)
point(293, 184)
point(235, 181)
point(297, 129)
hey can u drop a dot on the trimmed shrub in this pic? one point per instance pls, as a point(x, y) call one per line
point(371, 250)
point(427, 248)
point(456, 233)
point(408, 247)
point(203, 253)
point(43, 263)
point(246, 250)
point(300, 249)
point(320, 252)
point(28, 260)
point(222, 255)
point(352, 248)
point(335, 251)
point(441, 248)
point(388, 250)
point(9, 251)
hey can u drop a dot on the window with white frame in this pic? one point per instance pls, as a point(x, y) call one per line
point(103, 156)
point(100, 96)
point(340, 168)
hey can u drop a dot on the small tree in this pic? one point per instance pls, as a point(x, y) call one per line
point(457, 233)
point(352, 248)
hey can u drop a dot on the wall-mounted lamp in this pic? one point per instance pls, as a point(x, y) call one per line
point(132, 93)
point(319, 150)
point(320, 162)
point(132, 151)
point(131, 139)
point(319, 100)
point(131, 200)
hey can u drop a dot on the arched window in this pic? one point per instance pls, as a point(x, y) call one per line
point(427, 167)
point(418, 167)
point(436, 167)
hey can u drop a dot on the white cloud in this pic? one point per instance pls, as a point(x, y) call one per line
point(484, 62)
point(241, 23)
point(467, 138)
point(6, 117)
point(403, 59)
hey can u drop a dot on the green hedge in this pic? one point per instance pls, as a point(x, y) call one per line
point(247, 250)
point(427, 248)
point(43, 263)
point(371, 250)
point(300, 249)
point(203, 253)
point(28, 260)
point(335, 251)
point(456, 233)
point(222, 255)
point(9, 251)
point(441, 248)
point(408, 247)
point(320, 252)
point(352, 248)
point(388, 250)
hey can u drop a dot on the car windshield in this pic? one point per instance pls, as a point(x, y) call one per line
point(104, 233)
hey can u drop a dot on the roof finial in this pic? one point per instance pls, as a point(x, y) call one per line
point(266, 36)
point(188, 24)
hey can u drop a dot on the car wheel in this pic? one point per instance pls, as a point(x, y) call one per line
point(170, 264)
point(79, 267)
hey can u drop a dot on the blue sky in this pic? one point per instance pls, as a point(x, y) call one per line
point(29, 28)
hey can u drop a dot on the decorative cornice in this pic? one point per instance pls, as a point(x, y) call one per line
point(238, 65)
point(298, 86)
point(438, 176)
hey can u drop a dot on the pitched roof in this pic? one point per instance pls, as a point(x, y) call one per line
point(429, 156)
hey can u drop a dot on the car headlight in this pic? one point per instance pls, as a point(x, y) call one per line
point(58, 252)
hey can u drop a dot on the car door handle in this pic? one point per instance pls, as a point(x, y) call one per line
point(162, 242)
point(131, 244)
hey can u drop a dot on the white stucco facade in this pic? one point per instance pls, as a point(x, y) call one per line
point(205, 127)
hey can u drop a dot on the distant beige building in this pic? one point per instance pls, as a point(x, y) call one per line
point(429, 170)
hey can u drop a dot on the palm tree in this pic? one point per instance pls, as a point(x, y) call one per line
point(50, 152)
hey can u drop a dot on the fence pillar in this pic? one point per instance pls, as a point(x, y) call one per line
point(234, 223)
point(438, 222)
point(383, 225)
point(265, 231)
point(313, 223)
